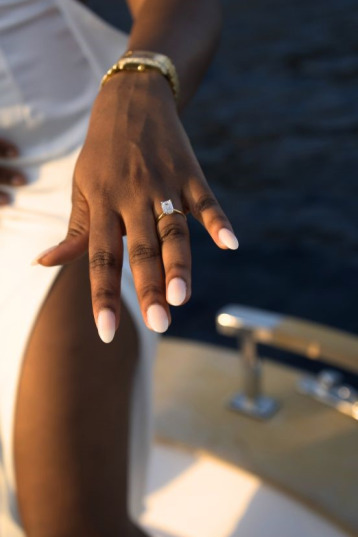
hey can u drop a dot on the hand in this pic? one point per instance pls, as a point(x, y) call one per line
point(137, 154)
point(8, 175)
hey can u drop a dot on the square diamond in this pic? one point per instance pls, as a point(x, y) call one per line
point(167, 206)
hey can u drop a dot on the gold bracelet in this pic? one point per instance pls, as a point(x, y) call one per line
point(143, 60)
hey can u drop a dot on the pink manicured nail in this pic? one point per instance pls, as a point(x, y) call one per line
point(176, 291)
point(42, 254)
point(157, 318)
point(228, 238)
point(106, 325)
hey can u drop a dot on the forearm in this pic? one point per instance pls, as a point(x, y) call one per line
point(185, 30)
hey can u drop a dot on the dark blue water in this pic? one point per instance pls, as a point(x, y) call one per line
point(275, 128)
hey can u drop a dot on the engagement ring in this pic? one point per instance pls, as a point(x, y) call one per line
point(168, 208)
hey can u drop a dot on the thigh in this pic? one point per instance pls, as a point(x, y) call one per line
point(72, 416)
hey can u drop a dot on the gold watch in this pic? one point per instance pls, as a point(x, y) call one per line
point(142, 60)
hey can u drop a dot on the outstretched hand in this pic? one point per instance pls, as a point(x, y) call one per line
point(137, 154)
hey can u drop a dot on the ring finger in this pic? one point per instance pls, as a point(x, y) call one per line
point(173, 233)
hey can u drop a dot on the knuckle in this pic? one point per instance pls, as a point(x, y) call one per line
point(218, 220)
point(177, 267)
point(140, 252)
point(103, 259)
point(103, 294)
point(78, 224)
point(204, 203)
point(78, 231)
point(102, 194)
point(152, 291)
point(173, 231)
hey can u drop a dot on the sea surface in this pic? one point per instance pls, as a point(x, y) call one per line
point(275, 128)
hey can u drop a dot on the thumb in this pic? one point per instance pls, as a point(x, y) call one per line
point(76, 242)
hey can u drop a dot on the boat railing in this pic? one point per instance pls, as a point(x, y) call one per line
point(314, 341)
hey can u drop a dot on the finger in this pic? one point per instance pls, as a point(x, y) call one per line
point(206, 209)
point(8, 149)
point(12, 177)
point(75, 243)
point(105, 268)
point(146, 263)
point(4, 198)
point(173, 233)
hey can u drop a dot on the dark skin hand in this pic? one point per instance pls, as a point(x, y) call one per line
point(9, 175)
point(145, 157)
point(135, 155)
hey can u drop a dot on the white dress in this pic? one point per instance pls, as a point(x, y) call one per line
point(53, 54)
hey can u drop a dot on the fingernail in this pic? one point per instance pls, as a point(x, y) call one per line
point(228, 238)
point(157, 318)
point(176, 291)
point(18, 180)
point(106, 325)
point(42, 254)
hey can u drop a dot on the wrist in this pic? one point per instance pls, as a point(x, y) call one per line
point(148, 87)
point(142, 61)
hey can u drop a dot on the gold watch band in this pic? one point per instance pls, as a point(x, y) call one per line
point(143, 60)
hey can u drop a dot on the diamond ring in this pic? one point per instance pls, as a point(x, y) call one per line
point(168, 208)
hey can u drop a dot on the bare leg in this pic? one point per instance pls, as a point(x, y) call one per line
point(71, 423)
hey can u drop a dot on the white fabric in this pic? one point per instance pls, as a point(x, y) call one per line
point(52, 56)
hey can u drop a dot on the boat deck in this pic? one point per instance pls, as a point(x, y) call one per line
point(217, 473)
